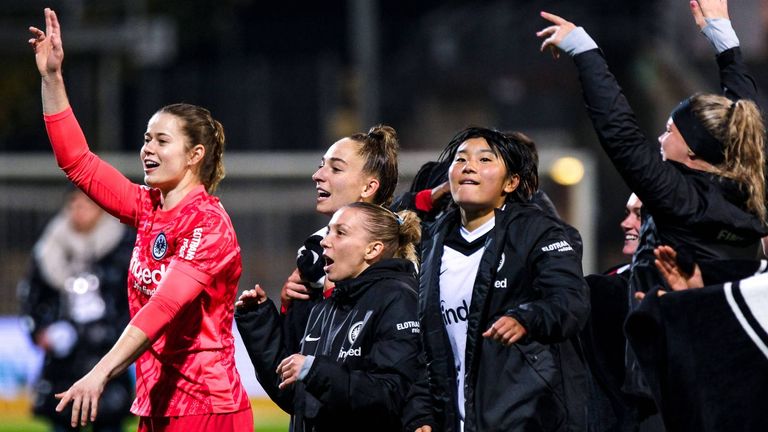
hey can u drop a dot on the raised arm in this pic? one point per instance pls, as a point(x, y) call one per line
point(711, 16)
point(99, 180)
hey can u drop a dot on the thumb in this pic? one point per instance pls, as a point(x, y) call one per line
point(698, 15)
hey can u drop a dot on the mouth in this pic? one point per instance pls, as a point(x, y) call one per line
point(322, 194)
point(328, 263)
point(150, 165)
point(468, 182)
point(630, 237)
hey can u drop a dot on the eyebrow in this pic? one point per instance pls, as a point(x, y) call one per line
point(335, 159)
point(481, 151)
point(159, 134)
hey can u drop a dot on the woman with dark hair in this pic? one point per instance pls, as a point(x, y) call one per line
point(502, 298)
point(358, 353)
point(184, 269)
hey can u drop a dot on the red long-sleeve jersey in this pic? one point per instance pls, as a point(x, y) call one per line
point(182, 283)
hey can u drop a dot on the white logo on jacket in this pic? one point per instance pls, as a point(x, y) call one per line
point(561, 246)
point(354, 331)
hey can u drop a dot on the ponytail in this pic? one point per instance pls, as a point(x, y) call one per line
point(379, 150)
point(400, 232)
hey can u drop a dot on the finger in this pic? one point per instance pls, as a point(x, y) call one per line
point(552, 18)
point(639, 295)
point(48, 25)
point(39, 34)
point(85, 410)
point(555, 51)
point(66, 398)
point(55, 23)
point(546, 32)
point(698, 16)
point(94, 409)
point(660, 293)
point(76, 411)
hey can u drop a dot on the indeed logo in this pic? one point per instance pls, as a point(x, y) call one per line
point(500, 283)
point(145, 275)
point(352, 352)
point(453, 316)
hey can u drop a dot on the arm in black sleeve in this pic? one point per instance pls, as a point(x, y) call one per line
point(260, 330)
point(418, 410)
point(563, 307)
point(392, 364)
point(735, 81)
point(659, 184)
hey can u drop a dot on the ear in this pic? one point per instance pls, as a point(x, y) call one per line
point(371, 186)
point(511, 184)
point(196, 154)
point(373, 250)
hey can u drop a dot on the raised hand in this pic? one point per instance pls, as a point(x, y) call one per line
point(666, 263)
point(555, 33)
point(712, 9)
point(49, 53)
point(251, 298)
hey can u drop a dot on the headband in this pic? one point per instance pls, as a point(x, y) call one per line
point(696, 136)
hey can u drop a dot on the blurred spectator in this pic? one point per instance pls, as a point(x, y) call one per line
point(75, 304)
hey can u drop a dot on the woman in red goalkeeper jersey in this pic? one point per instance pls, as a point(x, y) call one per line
point(184, 269)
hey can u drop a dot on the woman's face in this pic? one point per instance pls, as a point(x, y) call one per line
point(673, 146)
point(165, 154)
point(340, 179)
point(478, 177)
point(346, 247)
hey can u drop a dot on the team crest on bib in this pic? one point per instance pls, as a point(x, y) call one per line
point(159, 247)
point(354, 331)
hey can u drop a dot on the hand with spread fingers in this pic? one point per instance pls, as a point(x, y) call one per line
point(289, 369)
point(506, 331)
point(49, 52)
point(554, 34)
point(84, 395)
point(677, 279)
point(251, 298)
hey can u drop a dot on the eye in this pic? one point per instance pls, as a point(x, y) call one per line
point(336, 169)
point(486, 159)
point(460, 159)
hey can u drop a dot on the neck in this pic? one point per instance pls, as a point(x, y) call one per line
point(172, 197)
point(474, 219)
point(700, 165)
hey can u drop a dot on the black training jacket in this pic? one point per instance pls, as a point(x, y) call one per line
point(530, 272)
point(365, 340)
point(682, 207)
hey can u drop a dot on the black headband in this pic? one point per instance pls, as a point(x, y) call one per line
point(698, 138)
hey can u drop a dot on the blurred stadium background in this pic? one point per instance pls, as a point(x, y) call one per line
point(289, 78)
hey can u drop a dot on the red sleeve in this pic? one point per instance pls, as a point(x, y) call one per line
point(423, 200)
point(206, 242)
point(180, 286)
point(98, 179)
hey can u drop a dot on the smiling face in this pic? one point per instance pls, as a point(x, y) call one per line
point(631, 225)
point(340, 179)
point(347, 248)
point(165, 154)
point(673, 146)
point(478, 176)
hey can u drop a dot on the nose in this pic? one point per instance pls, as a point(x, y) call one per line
point(318, 175)
point(324, 243)
point(468, 167)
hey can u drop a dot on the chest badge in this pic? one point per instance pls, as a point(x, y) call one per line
point(354, 331)
point(159, 247)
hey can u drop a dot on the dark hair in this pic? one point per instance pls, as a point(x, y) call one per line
point(532, 174)
point(201, 128)
point(517, 158)
point(400, 232)
point(379, 149)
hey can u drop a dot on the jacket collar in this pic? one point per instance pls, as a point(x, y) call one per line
point(392, 268)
